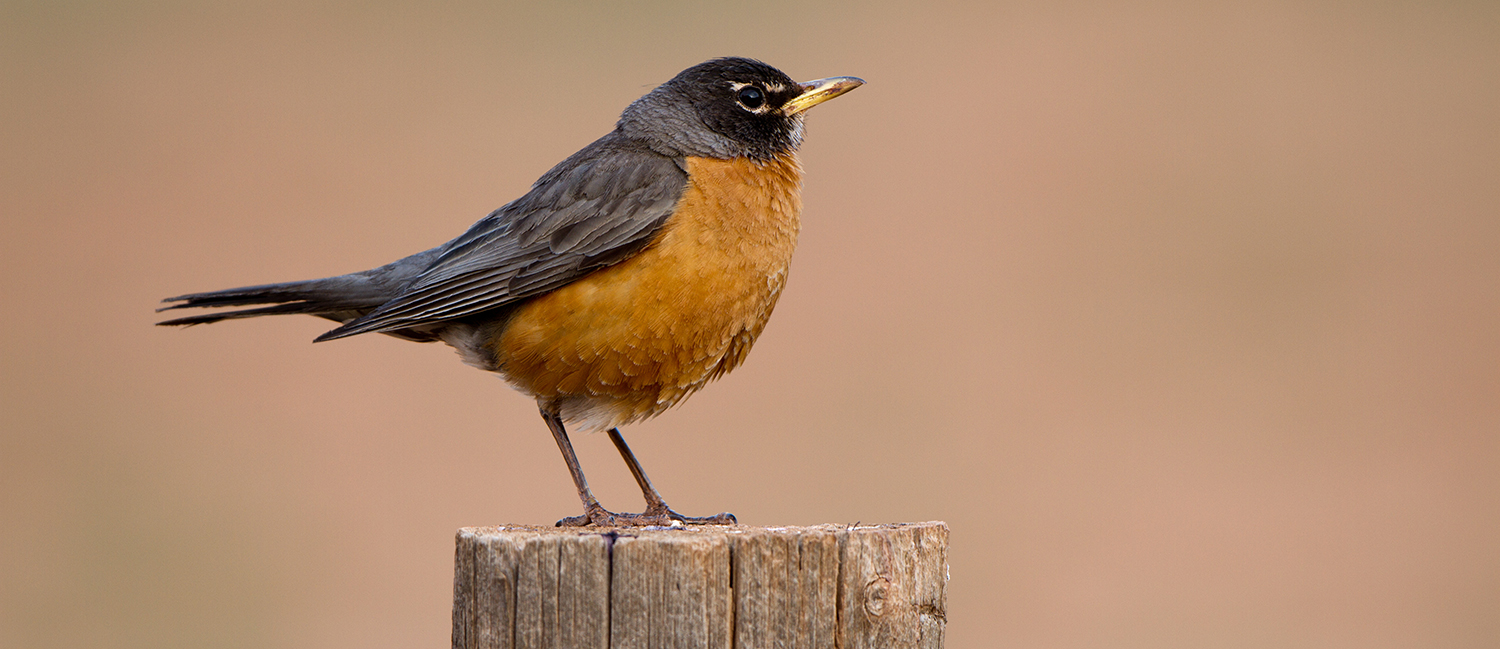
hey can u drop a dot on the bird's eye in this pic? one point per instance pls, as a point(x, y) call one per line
point(751, 97)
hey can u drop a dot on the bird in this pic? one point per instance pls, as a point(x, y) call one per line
point(627, 277)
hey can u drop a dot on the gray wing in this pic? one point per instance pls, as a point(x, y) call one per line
point(597, 208)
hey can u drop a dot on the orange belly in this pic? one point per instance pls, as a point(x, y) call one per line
point(632, 340)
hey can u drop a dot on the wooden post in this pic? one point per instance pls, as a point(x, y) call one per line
point(851, 587)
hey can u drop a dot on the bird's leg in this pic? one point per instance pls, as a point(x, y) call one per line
point(593, 512)
point(657, 512)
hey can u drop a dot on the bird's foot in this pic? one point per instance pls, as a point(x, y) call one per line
point(658, 516)
point(669, 517)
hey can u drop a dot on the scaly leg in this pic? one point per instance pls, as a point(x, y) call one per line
point(656, 508)
point(593, 512)
point(657, 512)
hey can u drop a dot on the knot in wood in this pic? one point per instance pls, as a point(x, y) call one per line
point(876, 593)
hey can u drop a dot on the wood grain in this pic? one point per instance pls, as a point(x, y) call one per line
point(716, 587)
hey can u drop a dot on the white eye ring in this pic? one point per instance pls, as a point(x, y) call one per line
point(750, 97)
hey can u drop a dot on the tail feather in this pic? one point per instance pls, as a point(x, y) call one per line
point(340, 299)
point(207, 318)
point(263, 294)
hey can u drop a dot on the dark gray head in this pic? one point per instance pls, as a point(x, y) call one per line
point(728, 108)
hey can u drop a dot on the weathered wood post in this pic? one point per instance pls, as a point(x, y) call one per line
point(715, 586)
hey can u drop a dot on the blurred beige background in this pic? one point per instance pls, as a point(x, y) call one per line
point(1184, 318)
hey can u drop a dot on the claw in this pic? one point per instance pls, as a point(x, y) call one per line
point(653, 517)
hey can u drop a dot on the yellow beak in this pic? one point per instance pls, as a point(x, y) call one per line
point(818, 91)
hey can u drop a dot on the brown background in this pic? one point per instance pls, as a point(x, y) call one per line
point(1184, 318)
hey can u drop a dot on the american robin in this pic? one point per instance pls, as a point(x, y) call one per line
point(631, 274)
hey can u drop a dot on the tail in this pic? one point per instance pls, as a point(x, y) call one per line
point(340, 299)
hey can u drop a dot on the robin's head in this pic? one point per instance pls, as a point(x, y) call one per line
point(728, 108)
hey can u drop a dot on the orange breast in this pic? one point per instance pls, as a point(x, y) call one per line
point(632, 340)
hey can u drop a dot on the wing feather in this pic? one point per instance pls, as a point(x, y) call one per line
point(596, 208)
